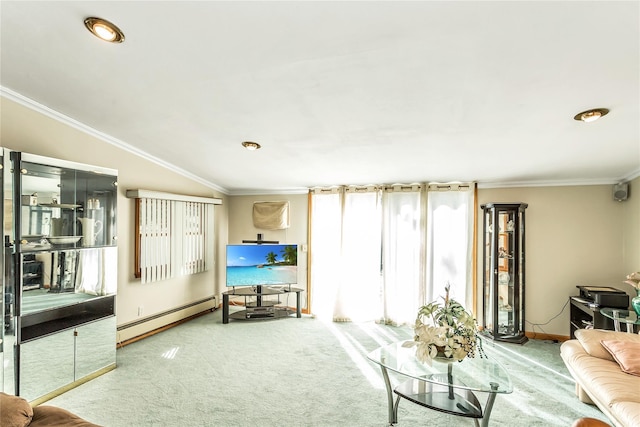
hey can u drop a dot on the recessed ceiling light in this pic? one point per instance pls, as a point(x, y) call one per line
point(251, 146)
point(591, 115)
point(104, 30)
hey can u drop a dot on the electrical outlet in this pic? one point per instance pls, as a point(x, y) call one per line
point(140, 310)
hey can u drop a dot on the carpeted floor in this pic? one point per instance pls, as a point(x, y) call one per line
point(298, 372)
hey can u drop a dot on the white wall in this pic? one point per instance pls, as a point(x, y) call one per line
point(241, 228)
point(574, 236)
point(631, 230)
point(26, 130)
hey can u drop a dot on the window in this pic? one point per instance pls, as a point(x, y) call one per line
point(173, 237)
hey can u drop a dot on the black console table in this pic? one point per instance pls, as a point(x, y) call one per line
point(260, 309)
point(583, 315)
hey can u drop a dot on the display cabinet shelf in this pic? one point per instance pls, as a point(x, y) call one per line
point(43, 323)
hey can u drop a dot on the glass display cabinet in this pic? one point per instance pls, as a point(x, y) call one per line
point(60, 271)
point(504, 268)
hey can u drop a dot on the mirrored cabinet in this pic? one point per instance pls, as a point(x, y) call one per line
point(60, 264)
point(61, 206)
point(503, 271)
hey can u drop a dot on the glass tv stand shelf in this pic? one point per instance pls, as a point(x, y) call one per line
point(256, 306)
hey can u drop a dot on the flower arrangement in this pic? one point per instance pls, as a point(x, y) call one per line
point(444, 331)
point(633, 279)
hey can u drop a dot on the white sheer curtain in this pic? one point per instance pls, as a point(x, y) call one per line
point(94, 276)
point(346, 254)
point(358, 296)
point(325, 267)
point(403, 251)
point(379, 255)
point(450, 219)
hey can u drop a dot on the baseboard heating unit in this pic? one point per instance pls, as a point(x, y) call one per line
point(144, 326)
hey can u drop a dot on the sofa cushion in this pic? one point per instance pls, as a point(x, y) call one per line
point(591, 341)
point(603, 380)
point(627, 354)
point(14, 411)
point(52, 416)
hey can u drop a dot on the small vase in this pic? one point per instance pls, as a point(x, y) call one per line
point(635, 303)
point(441, 354)
point(442, 357)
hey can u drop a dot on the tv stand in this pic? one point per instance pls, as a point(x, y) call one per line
point(260, 309)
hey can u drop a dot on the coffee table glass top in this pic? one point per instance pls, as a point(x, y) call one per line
point(475, 374)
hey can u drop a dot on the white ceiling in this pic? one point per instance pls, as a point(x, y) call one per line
point(343, 92)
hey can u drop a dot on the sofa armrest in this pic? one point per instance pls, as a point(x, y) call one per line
point(14, 411)
point(570, 351)
point(52, 416)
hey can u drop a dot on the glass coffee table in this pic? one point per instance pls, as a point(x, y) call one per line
point(445, 386)
point(620, 315)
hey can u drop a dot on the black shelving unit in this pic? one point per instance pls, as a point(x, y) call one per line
point(32, 274)
point(584, 316)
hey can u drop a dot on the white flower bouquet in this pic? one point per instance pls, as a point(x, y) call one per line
point(447, 331)
point(633, 279)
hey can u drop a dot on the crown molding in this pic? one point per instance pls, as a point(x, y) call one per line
point(480, 185)
point(66, 120)
point(276, 192)
point(630, 177)
point(567, 183)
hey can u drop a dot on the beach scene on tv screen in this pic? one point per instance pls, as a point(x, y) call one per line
point(251, 265)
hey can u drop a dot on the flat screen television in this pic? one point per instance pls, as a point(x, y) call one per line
point(266, 264)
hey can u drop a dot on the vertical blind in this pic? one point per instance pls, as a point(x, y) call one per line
point(194, 232)
point(155, 217)
point(172, 238)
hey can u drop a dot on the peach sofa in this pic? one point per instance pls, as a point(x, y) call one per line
point(606, 368)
